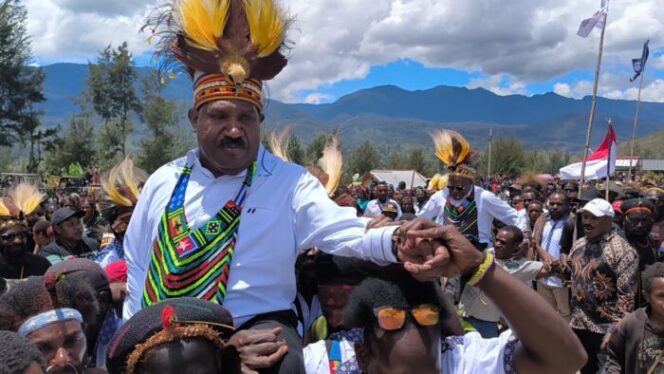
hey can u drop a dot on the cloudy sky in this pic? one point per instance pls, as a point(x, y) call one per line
point(509, 47)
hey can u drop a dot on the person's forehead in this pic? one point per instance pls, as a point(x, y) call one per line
point(640, 214)
point(657, 284)
point(55, 332)
point(228, 105)
point(13, 229)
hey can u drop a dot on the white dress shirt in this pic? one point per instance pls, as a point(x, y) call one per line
point(375, 208)
point(286, 211)
point(551, 235)
point(489, 206)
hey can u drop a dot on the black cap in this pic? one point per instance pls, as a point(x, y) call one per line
point(587, 195)
point(627, 205)
point(149, 321)
point(64, 214)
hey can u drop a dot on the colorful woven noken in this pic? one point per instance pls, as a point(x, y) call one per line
point(194, 263)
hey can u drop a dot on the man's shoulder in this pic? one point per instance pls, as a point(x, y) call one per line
point(37, 262)
point(53, 248)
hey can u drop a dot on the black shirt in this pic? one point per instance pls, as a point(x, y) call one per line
point(33, 265)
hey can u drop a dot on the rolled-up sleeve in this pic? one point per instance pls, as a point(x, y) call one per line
point(321, 223)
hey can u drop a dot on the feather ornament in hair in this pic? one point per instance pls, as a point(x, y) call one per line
point(4, 209)
point(437, 182)
point(279, 143)
point(451, 148)
point(267, 25)
point(203, 21)
point(123, 183)
point(332, 163)
point(27, 197)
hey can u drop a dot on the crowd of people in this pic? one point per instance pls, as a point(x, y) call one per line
point(233, 260)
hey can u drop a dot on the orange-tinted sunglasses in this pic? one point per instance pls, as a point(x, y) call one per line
point(392, 319)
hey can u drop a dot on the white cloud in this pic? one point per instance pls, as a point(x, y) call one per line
point(614, 87)
point(523, 40)
point(500, 84)
point(562, 89)
point(316, 98)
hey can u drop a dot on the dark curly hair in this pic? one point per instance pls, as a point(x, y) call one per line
point(396, 290)
point(16, 354)
point(655, 270)
point(22, 301)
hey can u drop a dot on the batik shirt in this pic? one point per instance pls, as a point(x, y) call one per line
point(604, 278)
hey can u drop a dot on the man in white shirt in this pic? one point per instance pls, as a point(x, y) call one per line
point(552, 237)
point(481, 312)
point(375, 207)
point(186, 238)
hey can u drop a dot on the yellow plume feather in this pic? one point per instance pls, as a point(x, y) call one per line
point(26, 197)
point(203, 21)
point(332, 163)
point(4, 211)
point(451, 148)
point(267, 25)
point(279, 143)
point(123, 183)
point(437, 182)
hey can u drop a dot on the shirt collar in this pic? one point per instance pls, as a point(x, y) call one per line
point(265, 162)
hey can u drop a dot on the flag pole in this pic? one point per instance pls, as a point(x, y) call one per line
point(608, 168)
point(594, 102)
point(636, 120)
point(488, 173)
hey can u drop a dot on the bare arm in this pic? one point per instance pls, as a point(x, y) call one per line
point(544, 336)
point(531, 319)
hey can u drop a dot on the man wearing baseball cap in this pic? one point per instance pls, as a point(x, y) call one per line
point(604, 270)
point(69, 239)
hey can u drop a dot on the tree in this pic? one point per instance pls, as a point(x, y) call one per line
point(74, 145)
point(111, 88)
point(21, 85)
point(295, 152)
point(364, 158)
point(507, 157)
point(314, 149)
point(160, 117)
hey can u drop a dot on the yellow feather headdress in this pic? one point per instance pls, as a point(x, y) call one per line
point(123, 184)
point(437, 182)
point(242, 39)
point(21, 200)
point(279, 143)
point(455, 152)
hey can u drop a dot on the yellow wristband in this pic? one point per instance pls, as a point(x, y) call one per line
point(482, 269)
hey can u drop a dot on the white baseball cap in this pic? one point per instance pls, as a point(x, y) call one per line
point(599, 208)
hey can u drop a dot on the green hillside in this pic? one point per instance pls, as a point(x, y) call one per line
point(648, 147)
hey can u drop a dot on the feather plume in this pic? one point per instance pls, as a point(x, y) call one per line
point(437, 182)
point(123, 183)
point(279, 143)
point(451, 148)
point(4, 210)
point(332, 163)
point(203, 21)
point(26, 197)
point(267, 25)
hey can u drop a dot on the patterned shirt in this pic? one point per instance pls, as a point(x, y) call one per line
point(604, 279)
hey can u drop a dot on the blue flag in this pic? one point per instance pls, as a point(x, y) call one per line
point(639, 63)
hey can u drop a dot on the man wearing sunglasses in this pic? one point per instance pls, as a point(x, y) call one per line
point(16, 258)
point(400, 333)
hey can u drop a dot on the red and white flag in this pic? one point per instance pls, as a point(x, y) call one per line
point(598, 163)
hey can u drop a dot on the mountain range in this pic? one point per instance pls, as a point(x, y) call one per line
point(392, 117)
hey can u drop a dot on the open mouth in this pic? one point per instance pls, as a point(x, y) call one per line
point(232, 143)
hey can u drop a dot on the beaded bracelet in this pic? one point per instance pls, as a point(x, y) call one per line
point(481, 270)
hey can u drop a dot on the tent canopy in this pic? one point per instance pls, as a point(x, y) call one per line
point(411, 177)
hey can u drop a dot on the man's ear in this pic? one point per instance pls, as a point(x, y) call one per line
point(362, 356)
point(193, 118)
